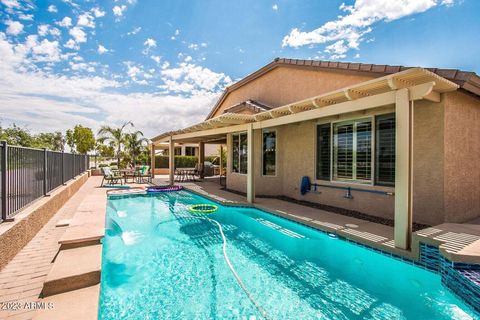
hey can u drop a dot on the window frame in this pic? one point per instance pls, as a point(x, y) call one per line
point(354, 122)
point(377, 182)
point(238, 134)
point(373, 116)
point(276, 152)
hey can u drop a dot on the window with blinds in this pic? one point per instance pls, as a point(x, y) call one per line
point(323, 151)
point(363, 154)
point(343, 152)
point(352, 151)
point(385, 150)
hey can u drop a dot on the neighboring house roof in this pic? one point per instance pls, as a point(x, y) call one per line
point(252, 105)
point(468, 81)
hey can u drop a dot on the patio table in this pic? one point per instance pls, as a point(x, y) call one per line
point(127, 173)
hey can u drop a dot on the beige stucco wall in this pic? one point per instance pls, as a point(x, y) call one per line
point(284, 85)
point(462, 154)
point(428, 151)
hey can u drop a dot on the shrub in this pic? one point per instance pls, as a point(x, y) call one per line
point(180, 161)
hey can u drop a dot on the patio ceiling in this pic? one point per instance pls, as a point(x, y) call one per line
point(423, 84)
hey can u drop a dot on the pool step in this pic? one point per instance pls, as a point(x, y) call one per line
point(80, 304)
point(81, 235)
point(74, 269)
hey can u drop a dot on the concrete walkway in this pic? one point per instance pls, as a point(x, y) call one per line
point(22, 279)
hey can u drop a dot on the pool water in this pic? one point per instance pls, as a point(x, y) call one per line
point(162, 262)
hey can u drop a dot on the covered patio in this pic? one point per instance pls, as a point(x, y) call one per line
point(398, 92)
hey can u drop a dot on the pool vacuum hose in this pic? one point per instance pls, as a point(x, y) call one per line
point(235, 274)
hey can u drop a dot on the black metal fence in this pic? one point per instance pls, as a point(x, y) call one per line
point(27, 174)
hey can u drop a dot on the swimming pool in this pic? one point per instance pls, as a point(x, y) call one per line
point(162, 262)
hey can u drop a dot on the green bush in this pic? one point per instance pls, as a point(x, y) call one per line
point(180, 161)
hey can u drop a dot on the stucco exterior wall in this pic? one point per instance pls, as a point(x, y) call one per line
point(462, 154)
point(284, 85)
point(428, 162)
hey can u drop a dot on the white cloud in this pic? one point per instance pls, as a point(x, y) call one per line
point(118, 10)
point(46, 51)
point(357, 22)
point(337, 50)
point(97, 12)
point(52, 8)
point(11, 3)
point(14, 27)
point(156, 58)
point(42, 29)
point(71, 44)
point(150, 43)
point(66, 22)
point(86, 20)
point(101, 49)
point(275, 7)
point(134, 31)
point(190, 78)
point(43, 101)
point(81, 66)
point(177, 32)
point(78, 35)
point(193, 46)
point(24, 16)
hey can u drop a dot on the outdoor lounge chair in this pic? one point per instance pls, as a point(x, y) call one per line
point(111, 176)
point(143, 175)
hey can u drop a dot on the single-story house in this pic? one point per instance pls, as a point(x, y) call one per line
point(389, 141)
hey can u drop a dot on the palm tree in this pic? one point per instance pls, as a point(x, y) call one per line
point(116, 137)
point(135, 144)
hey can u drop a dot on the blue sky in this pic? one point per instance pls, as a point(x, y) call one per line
point(162, 64)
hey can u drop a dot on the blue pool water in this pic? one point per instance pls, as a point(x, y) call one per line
point(160, 262)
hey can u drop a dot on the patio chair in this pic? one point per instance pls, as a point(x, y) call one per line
point(199, 170)
point(143, 175)
point(111, 176)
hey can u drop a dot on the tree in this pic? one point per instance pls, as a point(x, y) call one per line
point(50, 140)
point(70, 140)
point(116, 137)
point(135, 144)
point(17, 136)
point(83, 138)
point(105, 151)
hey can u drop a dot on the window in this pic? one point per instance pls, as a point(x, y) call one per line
point(177, 151)
point(269, 152)
point(323, 151)
point(352, 155)
point(190, 151)
point(385, 150)
point(239, 153)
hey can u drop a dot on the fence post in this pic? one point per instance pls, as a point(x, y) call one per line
point(63, 168)
point(45, 173)
point(73, 166)
point(4, 180)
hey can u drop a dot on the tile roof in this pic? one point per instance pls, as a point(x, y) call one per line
point(467, 80)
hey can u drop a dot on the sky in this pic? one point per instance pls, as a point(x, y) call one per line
point(163, 64)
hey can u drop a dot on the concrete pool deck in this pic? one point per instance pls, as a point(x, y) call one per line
point(76, 230)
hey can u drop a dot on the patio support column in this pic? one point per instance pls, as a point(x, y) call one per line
point(250, 166)
point(220, 160)
point(171, 161)
point(152, 160)
point(201, 157)
point(403, 169)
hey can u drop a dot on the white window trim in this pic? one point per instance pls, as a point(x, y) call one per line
point(276, 153)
